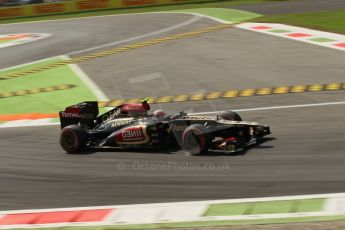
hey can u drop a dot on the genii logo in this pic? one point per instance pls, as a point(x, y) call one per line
point(131, 134)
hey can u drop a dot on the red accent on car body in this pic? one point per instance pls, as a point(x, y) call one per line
point(135, 108)
point(230, 139)
point(221, 143)
point(197, 132)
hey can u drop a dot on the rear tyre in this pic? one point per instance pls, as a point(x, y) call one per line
point(195, 139)
point(73, 139)
point(230, 116)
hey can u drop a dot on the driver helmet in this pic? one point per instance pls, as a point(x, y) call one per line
point(159, 114)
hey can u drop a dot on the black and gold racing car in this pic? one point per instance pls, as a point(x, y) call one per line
point(129, 126)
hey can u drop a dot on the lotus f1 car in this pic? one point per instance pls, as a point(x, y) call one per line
point(129, 126)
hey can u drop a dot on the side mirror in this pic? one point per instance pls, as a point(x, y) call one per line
point(182, 114)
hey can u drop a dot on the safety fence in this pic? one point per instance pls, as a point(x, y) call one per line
point(82, 6)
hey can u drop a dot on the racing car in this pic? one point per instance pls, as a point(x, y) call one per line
point(130, 126)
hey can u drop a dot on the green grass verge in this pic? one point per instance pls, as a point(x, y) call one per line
point(332, 21)
point(48, 102)
point(271, 207)
point(206, 223)
point(219, 4)
point(229, 15)
point(1, 42)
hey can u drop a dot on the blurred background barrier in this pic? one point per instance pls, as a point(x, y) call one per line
point(29, 8)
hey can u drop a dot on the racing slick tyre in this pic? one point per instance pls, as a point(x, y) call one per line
point(73, 139)
point(230, 116)
point(195, 139)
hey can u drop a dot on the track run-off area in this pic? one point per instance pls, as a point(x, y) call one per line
point(304, 155)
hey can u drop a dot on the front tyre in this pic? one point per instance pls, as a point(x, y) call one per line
point(73, 139)
point(195, 139)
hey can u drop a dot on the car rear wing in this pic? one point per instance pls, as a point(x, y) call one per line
point(83, 113)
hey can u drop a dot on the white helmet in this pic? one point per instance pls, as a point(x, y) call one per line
point(159, 114)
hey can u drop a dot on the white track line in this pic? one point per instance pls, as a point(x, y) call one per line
point(117, 15)
point(188, 22)
point(87, 80)
point(28, 123)
point(29, 63)
point(276, 107)
point(201, 15)
point(236, 110)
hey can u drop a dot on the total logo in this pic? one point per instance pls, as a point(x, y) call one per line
point(70, 115)
point(7, 40)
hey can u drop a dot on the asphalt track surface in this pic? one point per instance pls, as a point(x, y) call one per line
point(73, 35)
point(304, 155)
